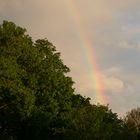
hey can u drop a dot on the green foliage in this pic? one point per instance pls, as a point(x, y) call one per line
point(33, 84)
point(16, 99)
point(94, 122)
point(37, 99)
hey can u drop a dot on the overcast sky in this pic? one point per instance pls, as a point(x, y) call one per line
point(113, 28)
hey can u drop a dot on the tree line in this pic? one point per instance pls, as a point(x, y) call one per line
point(38, 101)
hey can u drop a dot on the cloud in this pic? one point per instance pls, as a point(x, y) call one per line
point(114, 84)
point(113, 70)
point(112, 81)
point(127, 45)
point(117, 81)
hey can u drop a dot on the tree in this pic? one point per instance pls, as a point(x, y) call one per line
point(37, 99)
point(34, 89)
point(132, 123)
point(88, 122)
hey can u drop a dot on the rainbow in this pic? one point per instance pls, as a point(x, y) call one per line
point(88, 50)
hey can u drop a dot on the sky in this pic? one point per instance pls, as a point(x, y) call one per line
point(99, 41)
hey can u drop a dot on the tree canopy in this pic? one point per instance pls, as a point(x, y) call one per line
point(37, 98)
